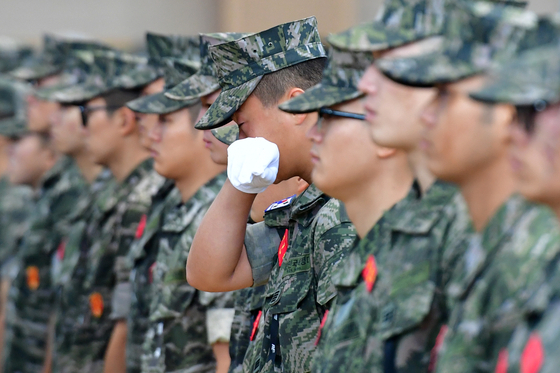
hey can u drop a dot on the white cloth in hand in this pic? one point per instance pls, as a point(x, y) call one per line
point(252, 164)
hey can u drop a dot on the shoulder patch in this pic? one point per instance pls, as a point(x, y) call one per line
point(279, 204)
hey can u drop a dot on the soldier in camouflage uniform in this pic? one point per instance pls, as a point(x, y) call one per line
point(187, 330)
point(531, 83)
point(15, 200)
point(95, 294)
point(13, 54)
point(467, 143)
point(301, 239)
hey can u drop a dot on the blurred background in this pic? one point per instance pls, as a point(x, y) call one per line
point(123, 23)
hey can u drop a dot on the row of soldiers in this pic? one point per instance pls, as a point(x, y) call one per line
point(390, 205)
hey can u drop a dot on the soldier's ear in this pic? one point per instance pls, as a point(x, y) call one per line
point(294, 92)
point(384, 153)
point(126, 121)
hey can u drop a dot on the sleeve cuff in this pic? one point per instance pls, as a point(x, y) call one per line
point(120, 304)
point(218, 324)
point(261, 243)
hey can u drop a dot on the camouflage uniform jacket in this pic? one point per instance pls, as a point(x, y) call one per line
point(32, 292)
point(142, 257)
point(390, 304)
point(102, 267)
point(500, 271)
point(16, 204)
point(65, 262)
point(180, 316)
point(248, 304)
point(294, 252)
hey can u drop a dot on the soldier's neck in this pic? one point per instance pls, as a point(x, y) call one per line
point(129, 156)
point(88, 169)
point(4, 160)
point(205, 170)
point(419, 166)
point(487, 189)
point(367, 203)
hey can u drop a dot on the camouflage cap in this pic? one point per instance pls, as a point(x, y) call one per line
point(13, 54)
point(175, 72)
point(532, 77)
point(206, 80)
point(241, 64)
point(477, 36)
point(49, 62)
point(227, 134)
point(339, 83)
point(159, 48)
point(13, 107)
point(103, 76)
point(79, 61)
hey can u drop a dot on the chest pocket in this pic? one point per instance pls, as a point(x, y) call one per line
point(406, 290)
point(294, 285)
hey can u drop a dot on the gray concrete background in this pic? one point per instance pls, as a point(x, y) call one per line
point(124, 22)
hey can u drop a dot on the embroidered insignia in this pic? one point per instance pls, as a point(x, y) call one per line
point(32, 273)
point(369, 273)
point(256, 326)
point(283, 248)
point(323, 321)
point(533, 355)
point(96, 304)
point(279, 204)
point(141, 227)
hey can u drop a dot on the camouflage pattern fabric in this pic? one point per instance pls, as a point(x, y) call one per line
point(242, 63)
point(389, 322)
point(32, 292)
point(105, 74)
point(178, 337)
point(227, 134)
point(160, 48)
point(142, 257)
point(16, 205)
point(157, 103)
point(494, 282)
point(339, 83)
point(49, 62)
point(317, 234)
point(13, 107)
point(531, 77)
point(248, 302)
point(476, 37)
point(65, 261)
point(205, 81)
point(96, 297)
point(13, 54)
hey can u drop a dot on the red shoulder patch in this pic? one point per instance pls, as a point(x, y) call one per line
point(502, 364)
point(323, 321)
point(283, 248)
point(533, 355)
point(256, 326)
point(141, 226)
point(369, 273)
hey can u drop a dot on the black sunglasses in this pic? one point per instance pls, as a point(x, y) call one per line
point(526, 114)
point(326, 112)
point(85, 111)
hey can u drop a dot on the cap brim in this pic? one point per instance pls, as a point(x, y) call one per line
point(319, 96)
point(226, 134)
point(137, 78)
point(78, 93)
point(510, 93)
point(374, 36)
point(227, 103)
point(13, 127)
point(427, 70)
point(35, 72)
point(196, 86)
point(157, 104)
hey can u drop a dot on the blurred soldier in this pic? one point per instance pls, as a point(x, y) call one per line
point(58, 192)
point(15, 200)
point(13, 54)
point(187, 330)
point(467, 143)
point(301, 239)
point(531, 82)
point(98, 336)
point(161, 50)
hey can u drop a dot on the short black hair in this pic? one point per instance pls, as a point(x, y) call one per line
point(118, 98)
point(304, 75)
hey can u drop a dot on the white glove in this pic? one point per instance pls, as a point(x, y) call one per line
point(252, 164)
